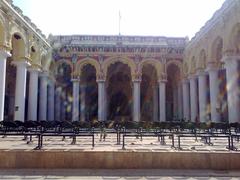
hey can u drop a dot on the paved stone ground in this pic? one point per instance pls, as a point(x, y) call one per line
point(132, 144)
point(128, 174)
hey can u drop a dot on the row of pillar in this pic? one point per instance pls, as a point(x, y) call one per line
point(20, 91)
point(190, 90)
point(102, 102)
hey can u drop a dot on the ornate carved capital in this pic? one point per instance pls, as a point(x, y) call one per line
point(137, 77)
point(212, 66)
point(162, 78)
point(101, 76)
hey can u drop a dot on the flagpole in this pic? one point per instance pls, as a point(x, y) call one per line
point(119, 23)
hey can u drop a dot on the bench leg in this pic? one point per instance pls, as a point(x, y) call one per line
point(123, 144)
point(73, 140)
point(30, 140)
point(173, 145)
point(39, 146)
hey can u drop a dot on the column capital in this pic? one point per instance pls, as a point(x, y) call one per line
point(163, 77)
point(201, 72)
point(21, 63)
point(4, 54)
point(230, 58)
point(75, 80)
point(101, 81)
point(34, 69)
point(162, 81)
point(101, 77)
point(137, 77)
point(192, 76)
point(44, 74)
point(185, 81)
point(212, 66)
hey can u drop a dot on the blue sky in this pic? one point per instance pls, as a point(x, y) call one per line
point(176, 18)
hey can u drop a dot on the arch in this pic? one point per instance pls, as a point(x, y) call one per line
point(156, 65)
point(201, 63)
point(60, 62)
point(173, 83)
point(177, 63)
point(86, 61)
point(217, 49)
point(234, 39)
point(112, 60)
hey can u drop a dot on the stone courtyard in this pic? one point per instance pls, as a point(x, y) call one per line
point(110, 144)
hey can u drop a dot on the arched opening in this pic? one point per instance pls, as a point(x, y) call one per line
point(63, 77)
point(119, 91)
point(217, 54)
point(149, 94)
point(89, 93)
point(173, 79)
point(10, 90)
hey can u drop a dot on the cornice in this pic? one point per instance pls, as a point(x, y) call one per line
point(24, 20)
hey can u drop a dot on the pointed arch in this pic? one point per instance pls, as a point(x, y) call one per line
point(217, 49)
point(86, 61)
point(157, 65)
point(112, 60)
point(201, 62)
point(177, 63)
point(60, 62)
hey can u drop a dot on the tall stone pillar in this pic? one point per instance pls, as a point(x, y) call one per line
point(101, 100)
point(175, 101)
point(155, 103)
point(106, 103)
point(202, 87)
point(83, 104)
point(63, 105)
point(186, 100)
point(33, 94)
point(162, 100)
point(136, 100)
point(193, 98)
point(180, 103)
point(3, 56)
point(20, 92)
point(51, 100)
point(75, 111)
point(214, 93)
point(43, 96)
point(58, 104)
point(233, 90)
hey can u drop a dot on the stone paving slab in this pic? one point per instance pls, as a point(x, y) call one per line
point(127, 174)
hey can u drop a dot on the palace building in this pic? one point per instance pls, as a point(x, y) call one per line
point(138, 78)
